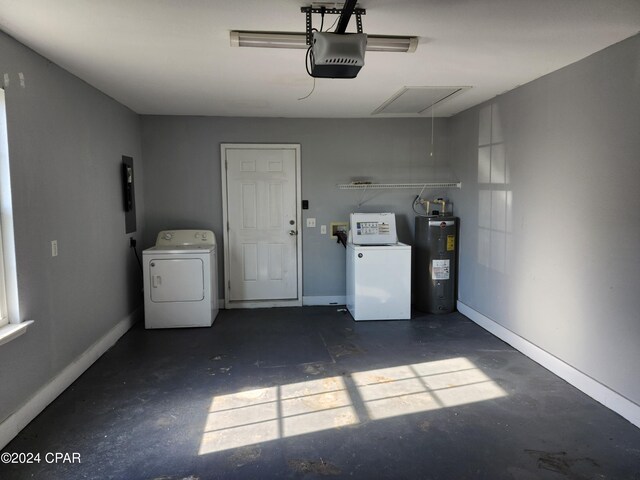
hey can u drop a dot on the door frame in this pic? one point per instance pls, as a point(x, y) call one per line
point(225, 225)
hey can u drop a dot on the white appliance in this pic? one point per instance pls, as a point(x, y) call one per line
point(378, 269)
point(181, 280)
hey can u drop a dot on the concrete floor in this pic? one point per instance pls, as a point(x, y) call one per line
point(309, 393)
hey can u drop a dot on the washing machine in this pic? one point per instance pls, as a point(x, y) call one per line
point(181, 280)
point(378, 269)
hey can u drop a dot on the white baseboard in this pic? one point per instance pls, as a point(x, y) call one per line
point(319, 300)
point(607, 397)
point(309, 301)
point(47, 394)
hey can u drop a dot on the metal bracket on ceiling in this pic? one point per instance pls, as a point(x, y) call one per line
point(359, 23)
point(345, 13)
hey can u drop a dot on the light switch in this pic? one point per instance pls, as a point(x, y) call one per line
point(311, 222)
point(54, 248)
point(323, 229)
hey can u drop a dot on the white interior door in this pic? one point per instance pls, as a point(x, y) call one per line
point(262, 244)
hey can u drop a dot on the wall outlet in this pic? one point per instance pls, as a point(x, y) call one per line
point(339, 227)
point(311, 222)
point(323, 229)
point(54, 248)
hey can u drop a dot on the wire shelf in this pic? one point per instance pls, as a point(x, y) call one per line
point(372, 186)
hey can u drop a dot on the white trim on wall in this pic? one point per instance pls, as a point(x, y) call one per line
point(599, 392)
point(321, 300)
point(19, 419)
point(308, 301)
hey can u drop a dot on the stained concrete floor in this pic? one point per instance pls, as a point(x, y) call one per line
point(309, 393)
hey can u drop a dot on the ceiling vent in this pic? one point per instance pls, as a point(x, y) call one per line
point(417, 100)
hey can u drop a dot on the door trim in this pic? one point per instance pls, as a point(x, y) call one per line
point(225, 222)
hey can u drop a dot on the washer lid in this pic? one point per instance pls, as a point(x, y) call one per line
point(370, 248)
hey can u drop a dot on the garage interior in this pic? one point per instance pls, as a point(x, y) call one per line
point(534, 376)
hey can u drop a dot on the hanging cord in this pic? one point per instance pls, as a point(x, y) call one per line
point(432, 107)
point(312, 90)
point(137, 258)
point(413, 207)
point(364, 192)
point(309, 55)
point(308, 58)
point(334, 23)
point(415, 201)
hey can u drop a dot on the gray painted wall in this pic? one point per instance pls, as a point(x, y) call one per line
point(550, 213)
point(182, 175)
point(66, 140)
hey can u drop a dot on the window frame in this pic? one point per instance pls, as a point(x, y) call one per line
point(4, 170)
point(14, 326)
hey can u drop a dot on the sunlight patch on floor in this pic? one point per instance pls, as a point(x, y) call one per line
point(265, 414)
point(390, 392)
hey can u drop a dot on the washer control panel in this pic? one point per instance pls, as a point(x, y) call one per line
point(373, 228)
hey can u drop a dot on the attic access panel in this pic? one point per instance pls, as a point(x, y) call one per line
point(415, 100)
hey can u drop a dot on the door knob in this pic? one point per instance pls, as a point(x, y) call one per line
point(292, 232)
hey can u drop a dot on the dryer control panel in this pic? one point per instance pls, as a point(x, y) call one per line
point(172, 238)
point(373, 228)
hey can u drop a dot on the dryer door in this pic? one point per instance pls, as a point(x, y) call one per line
point(176, 280)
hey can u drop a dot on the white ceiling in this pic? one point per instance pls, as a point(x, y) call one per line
point(174, 57)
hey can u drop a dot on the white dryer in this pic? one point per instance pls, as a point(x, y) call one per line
point(181, 280)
